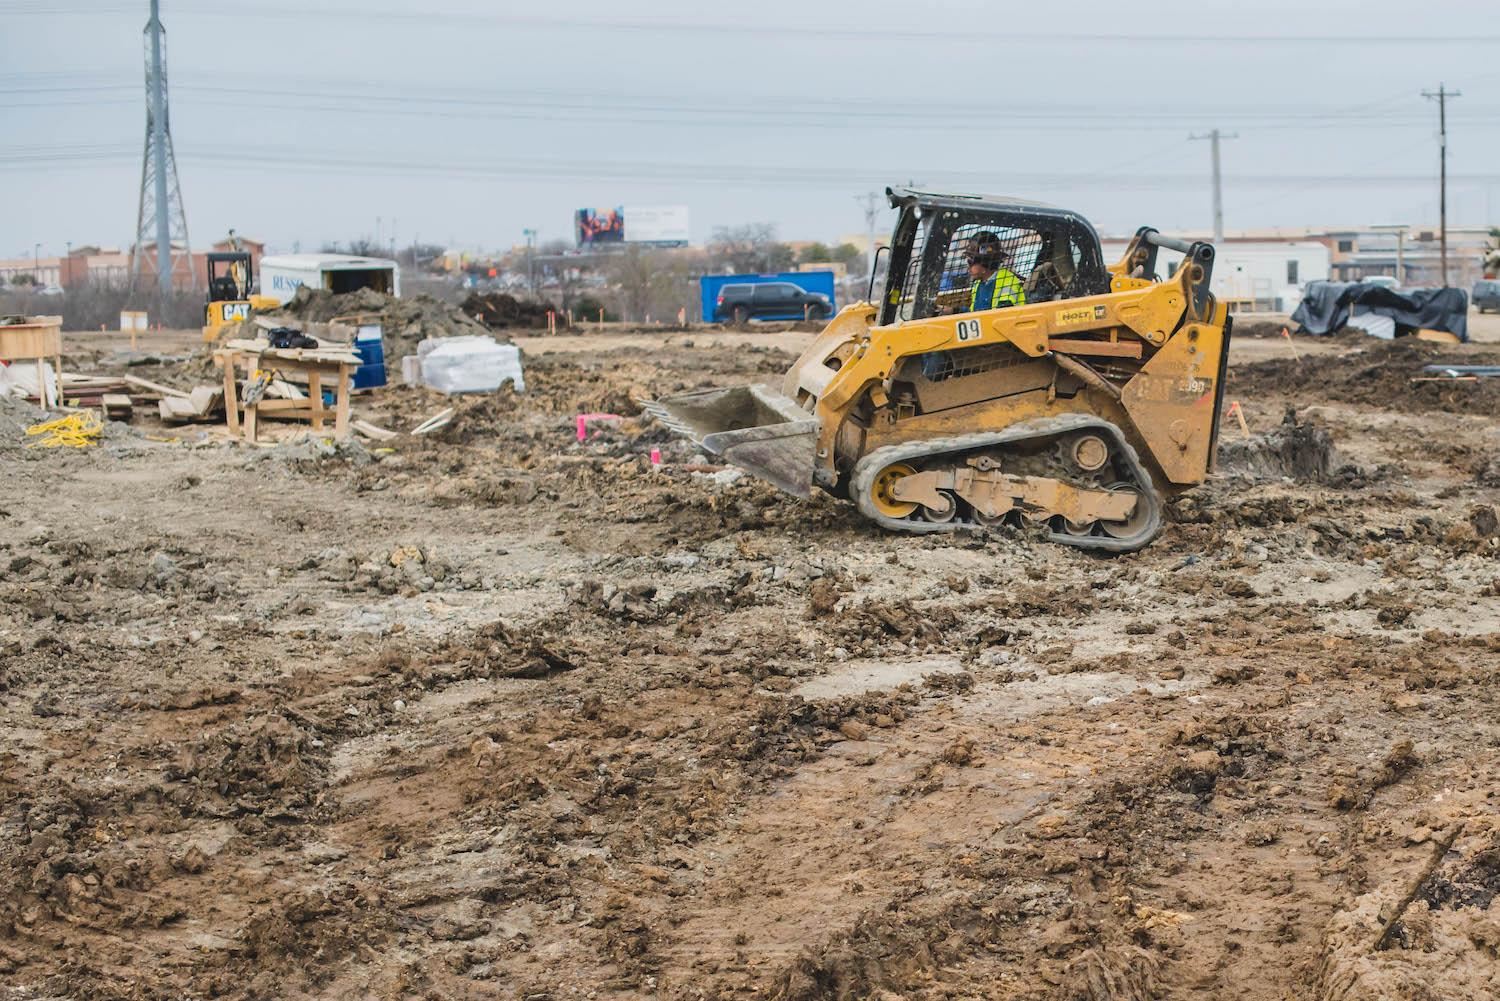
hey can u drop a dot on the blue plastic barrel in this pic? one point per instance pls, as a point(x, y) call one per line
point(370, 347)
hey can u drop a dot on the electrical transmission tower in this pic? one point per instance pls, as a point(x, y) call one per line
point(160, 219)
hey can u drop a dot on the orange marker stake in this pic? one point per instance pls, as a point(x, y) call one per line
point(1239, 413)
point(1288, 335)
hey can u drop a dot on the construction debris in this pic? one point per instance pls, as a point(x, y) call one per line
point(117, 406)
point(373, 432)
point(470, 365)
point(405, 321)
point(77, 430)
point(498, 310)
point(436, 422)
point(1466, 373)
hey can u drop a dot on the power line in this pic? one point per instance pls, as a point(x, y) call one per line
point(808, 33)
point(360, 163)
point(779, 107)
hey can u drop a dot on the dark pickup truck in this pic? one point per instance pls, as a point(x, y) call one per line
point(740, 303)
point(1486, 294)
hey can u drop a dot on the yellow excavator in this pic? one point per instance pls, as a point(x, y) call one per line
point(1095, 390)
point(230, 298)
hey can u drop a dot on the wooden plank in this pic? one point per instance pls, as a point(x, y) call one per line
point(439, 420)
point(155, 387)
point(231, 394)
point(206, 400)
point(47, 397)
point(315, 398)
point(77, 381)
point(175, 410)
point(303, 407)
point(1083, 346)
point(117, 406)
point(373, 431)
point(341, 403)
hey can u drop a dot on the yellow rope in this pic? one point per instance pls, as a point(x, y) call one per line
point(78, 430)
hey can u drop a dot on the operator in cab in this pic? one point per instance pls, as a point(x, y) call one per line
point(995, 285)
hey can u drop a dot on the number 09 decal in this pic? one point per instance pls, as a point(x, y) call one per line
point(969, 330)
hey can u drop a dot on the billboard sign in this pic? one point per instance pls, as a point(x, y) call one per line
point(661, 225)
point(596, 226)
point(653, 225)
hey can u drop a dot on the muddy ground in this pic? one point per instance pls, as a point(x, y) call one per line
point(498, 714)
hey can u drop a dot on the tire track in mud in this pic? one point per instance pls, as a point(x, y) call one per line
point(908, 828)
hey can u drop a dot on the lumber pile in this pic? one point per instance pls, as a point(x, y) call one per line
point(204, 403)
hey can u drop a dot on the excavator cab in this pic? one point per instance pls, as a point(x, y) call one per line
point(228, 291)
point(231, 295)
point(1073, 402)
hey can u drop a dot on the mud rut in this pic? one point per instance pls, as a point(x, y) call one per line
point(505, 716)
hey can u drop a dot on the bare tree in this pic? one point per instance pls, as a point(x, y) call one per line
point(749, 248)
point(361, 246)
point(655, 283)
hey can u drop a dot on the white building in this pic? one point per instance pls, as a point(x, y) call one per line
point(1251, 276)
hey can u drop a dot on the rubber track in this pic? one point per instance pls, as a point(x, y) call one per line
point(868, 467)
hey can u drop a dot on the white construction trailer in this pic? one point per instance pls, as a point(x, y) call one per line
point(1263, 277)
point(281, 275)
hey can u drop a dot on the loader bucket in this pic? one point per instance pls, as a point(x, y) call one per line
point(753, 427)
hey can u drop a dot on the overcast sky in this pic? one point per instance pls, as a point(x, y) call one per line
point(305, 121)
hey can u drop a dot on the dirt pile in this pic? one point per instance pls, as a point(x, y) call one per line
point(1379, 375)
point(405, 322)
point(1295, 450)
point(264, 765)
point(498, 310)
point(16, 415)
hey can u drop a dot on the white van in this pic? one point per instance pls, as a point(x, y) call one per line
point(281, 275)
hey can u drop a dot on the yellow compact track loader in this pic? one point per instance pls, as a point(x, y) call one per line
point(1057, 391)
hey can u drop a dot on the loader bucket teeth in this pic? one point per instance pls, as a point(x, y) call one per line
point(752, 427)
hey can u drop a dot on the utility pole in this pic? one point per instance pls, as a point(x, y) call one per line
point(1213, 137)
point(870, 200)
point(1442, 95)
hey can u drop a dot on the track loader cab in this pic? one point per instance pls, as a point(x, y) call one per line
point(1055, 253)
point(1005, 376)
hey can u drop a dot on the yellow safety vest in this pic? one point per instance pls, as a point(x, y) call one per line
point(1007, 288)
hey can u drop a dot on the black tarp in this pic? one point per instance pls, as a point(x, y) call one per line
point(1326, 306)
